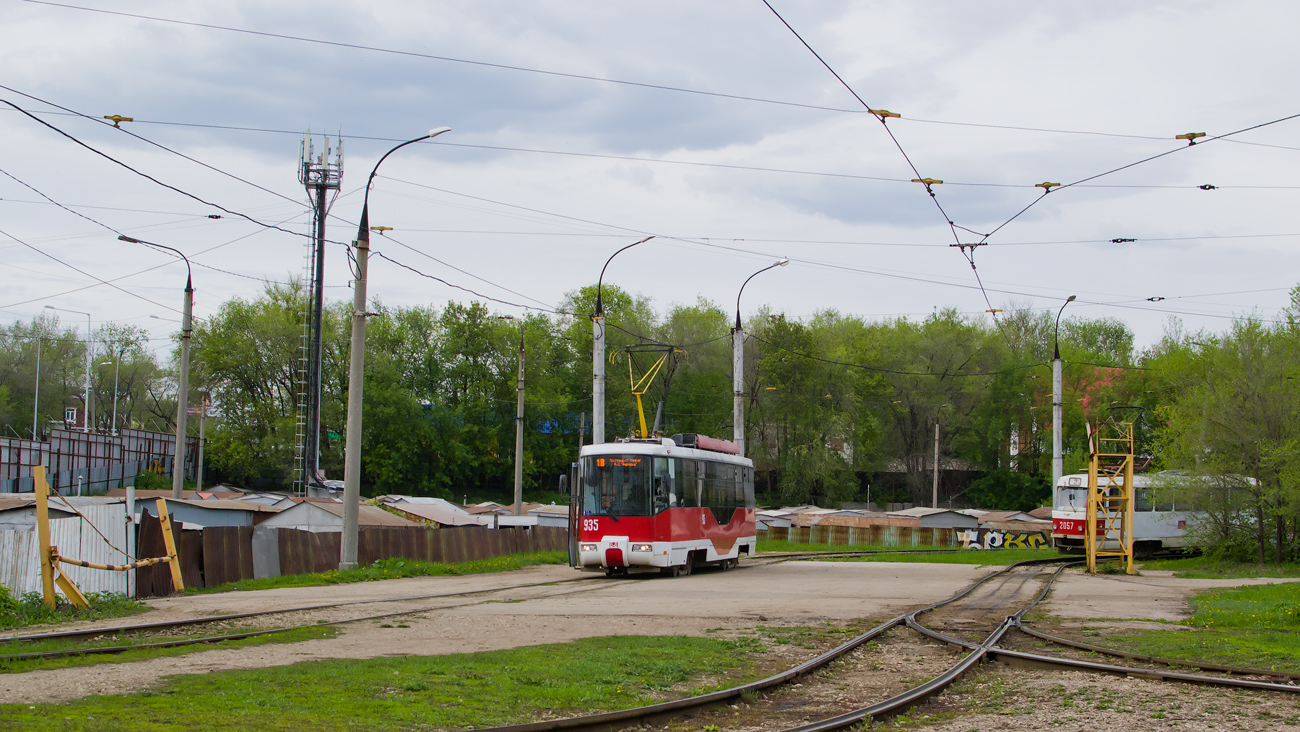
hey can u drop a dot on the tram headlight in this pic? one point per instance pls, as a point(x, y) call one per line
point(641, 547)
point(589, 547)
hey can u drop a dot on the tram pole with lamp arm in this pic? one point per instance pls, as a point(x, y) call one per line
point(356, 375)
point(1058, 460)
point(183, 379)
point(598, 354)
point(738, 365)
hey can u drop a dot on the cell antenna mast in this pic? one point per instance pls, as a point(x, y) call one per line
point(320, 175)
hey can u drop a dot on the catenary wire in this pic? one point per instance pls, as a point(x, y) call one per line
point(158, 145)
point(147, 176)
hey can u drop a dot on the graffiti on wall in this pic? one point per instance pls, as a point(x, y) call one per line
point(998, 539)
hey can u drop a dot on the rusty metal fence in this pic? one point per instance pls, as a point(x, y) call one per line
point(217, 555)
point(863, 536)
point(86, 463)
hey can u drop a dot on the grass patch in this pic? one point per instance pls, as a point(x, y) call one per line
point(1254, 626)
point(1206, 568)
point(15, 666)
point(393, 568)
point(414, 692)
point(806, 636)
point(30, 609)
point(1257, 606)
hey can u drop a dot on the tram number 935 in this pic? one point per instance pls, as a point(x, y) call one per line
point(590, 525)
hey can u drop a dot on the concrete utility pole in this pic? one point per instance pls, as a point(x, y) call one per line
point(738, 366)
point(598, 375)
point(598, 355)
point(519, 425)
point(1058, 460)
point(934, 499)
point(203, 419)
point(519, 432)
point(356, 375)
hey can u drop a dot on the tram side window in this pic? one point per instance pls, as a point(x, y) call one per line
point(1142, 501)
point(1164, 500)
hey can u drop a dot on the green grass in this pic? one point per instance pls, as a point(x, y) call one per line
point(414, 692)
point(15, 666)
point(1256, 627)
point(394, 568)
point(1206, 568)
point(30, 609)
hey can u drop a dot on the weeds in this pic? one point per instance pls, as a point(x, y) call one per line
point(30, 609)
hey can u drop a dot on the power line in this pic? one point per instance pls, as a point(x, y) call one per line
point(84, 272)
point(146, 175)
point(449, 59)
point(894, 371)
point(151, 142)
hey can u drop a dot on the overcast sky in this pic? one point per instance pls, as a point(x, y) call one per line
point(544, 175)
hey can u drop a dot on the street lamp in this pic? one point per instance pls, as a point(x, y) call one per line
point(112, 429)
point(738, 366)
point(85, 417)
point(356, 365)
point(598, 354)
point(519, 424)
point(183, 387)
point(1058, 461)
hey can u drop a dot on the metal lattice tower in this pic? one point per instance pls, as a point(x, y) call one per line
point(319, 175)
point(1108, 520)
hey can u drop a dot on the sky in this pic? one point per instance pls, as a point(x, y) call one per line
point(580, 127)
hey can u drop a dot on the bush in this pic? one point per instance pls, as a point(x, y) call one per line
point(30, 609)
point(1003, 490)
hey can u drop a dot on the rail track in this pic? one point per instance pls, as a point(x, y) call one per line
point(129, 629)
point(1000, 587)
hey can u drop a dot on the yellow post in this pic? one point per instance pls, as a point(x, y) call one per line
point(1090, 514)
point(173, 557)
point(42, 490)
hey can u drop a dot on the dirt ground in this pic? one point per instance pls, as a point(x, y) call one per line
point(555, 610)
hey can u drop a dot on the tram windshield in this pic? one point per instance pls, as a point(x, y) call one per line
point(616, 485)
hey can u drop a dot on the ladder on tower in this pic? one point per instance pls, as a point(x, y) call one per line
point(1108, 522)
point(301, 381)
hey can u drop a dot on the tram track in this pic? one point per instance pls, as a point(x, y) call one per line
point(137, 628)
point(1000, 589)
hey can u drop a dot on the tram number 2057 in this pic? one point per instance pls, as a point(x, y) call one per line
point(590, 525)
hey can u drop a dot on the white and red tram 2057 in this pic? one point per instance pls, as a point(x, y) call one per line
point(663, 504)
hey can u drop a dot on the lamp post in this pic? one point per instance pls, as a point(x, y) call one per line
point(598, 354)
point(356, 366)
point(1058, 461)
point(85, 417)
point(117, 371)
point(183, 379)
point(738, 366)
point(519, 424)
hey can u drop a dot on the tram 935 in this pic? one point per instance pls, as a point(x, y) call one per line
point(666, 505)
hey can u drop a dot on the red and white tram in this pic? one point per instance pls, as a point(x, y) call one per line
point(664, 504)
point(1158, 524)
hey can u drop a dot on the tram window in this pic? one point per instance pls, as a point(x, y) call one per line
point(663, 496)
point(1142, 501)
point(1164, 500)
